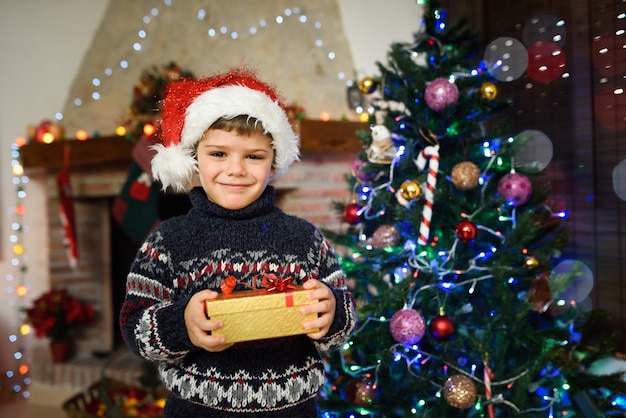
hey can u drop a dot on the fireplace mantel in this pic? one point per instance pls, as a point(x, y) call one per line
point(315, 137)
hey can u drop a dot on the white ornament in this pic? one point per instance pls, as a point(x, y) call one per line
point(381, 150)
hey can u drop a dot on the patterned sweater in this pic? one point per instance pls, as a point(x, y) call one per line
point(199, 250)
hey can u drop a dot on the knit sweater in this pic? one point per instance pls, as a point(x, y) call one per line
point(196, 251)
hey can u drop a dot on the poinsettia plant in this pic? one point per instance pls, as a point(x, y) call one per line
point(57, 315)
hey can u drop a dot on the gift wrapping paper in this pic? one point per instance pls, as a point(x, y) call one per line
point(259, 314)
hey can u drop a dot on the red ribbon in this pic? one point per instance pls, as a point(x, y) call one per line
point(229, 284)
point(275, 284)
point(269, 281)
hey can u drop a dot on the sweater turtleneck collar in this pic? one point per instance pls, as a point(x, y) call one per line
point(263, 205)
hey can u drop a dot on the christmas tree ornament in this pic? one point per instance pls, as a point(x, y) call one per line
point(440, 93)
point(460, 392)
point(360, 392)
point(465, 175)
point(357, 168)
point(351, 214)
point(488, 90)
point(515, 188)
point(431, 154)
point(381, 150)
point(367, 85)
point(531, 262)
point(441, 327)
point(487, 376)
point(410, 190)
point(407, 326)
point(539, 294)
point(385, 236)
point(466, 231)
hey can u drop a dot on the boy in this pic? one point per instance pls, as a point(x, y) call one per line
point(233, 131)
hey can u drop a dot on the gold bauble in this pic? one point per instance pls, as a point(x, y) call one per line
point(367, 85)
point(531, 261)
point(410, 190)
point(488, 90)
point(385, 236)
point(465, 175)
point(460, 392)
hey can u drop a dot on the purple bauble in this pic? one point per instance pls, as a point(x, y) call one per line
point(441, 93)
point(515, 188)
point(357, 169)
point(407, 326)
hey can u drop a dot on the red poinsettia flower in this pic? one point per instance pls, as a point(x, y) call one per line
point(57, 315)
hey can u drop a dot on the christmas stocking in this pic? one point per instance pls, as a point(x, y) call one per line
point(136, 208)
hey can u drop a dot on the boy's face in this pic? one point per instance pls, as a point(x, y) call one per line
point(234, 169)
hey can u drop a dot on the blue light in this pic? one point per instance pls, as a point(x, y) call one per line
point(619, 401)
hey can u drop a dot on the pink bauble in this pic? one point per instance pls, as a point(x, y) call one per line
point(407, 326)
point(515, 188)
point(441, 93)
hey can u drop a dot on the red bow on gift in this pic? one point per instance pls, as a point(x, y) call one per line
point(269, 282)
point(273, 283)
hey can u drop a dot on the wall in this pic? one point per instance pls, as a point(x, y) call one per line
point(42, 47)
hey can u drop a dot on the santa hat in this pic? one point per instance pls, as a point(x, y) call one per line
point(190, 107)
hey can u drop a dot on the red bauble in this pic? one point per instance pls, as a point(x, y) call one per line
point(351, 214)
point(441, 327)
point(466, 231)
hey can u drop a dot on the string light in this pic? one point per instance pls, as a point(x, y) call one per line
point(16, 282)
point(213, 33)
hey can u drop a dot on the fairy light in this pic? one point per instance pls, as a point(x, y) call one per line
point(16, 282)
point(213, 33)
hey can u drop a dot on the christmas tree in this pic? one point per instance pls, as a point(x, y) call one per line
point(453, 250)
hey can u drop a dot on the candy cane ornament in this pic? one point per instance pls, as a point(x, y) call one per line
point(430, 153)
point(487, 378)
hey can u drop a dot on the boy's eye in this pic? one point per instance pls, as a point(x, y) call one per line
point(217, 154)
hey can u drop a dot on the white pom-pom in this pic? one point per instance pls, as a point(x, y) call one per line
point(173, 166)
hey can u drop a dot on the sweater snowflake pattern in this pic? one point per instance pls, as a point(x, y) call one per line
point(196, 251)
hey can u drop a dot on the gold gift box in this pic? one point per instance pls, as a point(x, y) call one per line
point(259, 314)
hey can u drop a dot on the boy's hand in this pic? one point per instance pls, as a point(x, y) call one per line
point(324, 307)
point(199, 326)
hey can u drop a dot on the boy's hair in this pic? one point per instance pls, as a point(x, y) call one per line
point(190, 107)
point(242, 124)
